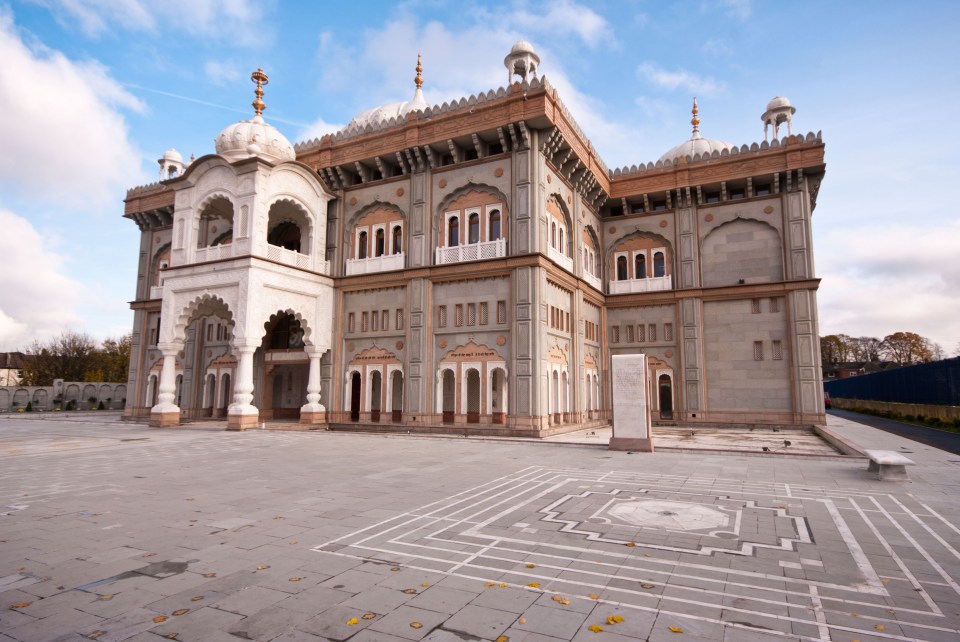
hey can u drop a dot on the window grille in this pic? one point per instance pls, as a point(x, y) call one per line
point(758, 350)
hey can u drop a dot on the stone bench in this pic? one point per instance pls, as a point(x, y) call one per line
point(888, 464)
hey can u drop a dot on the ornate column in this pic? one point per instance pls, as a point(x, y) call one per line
point(313, 411)
point(166, 413)
point(242, 414)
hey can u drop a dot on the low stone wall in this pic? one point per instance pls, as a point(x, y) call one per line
point(64, 395)
point(946, 414)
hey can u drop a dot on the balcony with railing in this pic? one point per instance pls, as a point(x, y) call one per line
point(289, 257)
point(631, 286)
point(213, 253)
point(471, 252)
point(559, 258)
point(593, 280)
point(372, 264)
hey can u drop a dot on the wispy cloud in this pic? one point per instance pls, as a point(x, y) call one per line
point(565, 18)
point(222, 73)
point(678, 79)
point(741, 9)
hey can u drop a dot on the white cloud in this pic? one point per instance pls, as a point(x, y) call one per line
point(563, 18)
point(37, 299)
point(317, 129)
point(240, 21)
point(741, 9)
point(222, 73)
point(678, 79)
point(69, 141)
point(716, 47)
point(891, 278)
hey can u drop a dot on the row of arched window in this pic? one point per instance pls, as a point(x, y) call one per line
point(640, 269)
point(473, 236)
point(380, 246)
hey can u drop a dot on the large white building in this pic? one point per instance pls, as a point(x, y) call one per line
point(473, 266)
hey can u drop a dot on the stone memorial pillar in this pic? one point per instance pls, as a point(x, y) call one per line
point(631, 407)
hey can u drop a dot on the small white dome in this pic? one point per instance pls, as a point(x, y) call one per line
point(253, 137)
point(778, 102)
point(696, 145)
point(522, 46)
point(172, 155)
point(388, 111)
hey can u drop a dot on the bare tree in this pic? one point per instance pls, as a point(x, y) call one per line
point(906, 348)
point(75, 356)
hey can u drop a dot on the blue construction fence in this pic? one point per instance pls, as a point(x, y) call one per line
point(935, 384)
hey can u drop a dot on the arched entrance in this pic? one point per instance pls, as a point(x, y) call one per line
point(376, 386)
point(666, 397)
point(473, 396)
point(498, 392)
point(396, 394)
point(449, 396)
point(355, 396)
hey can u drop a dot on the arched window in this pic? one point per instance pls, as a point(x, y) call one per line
point(397, 239)
point(659, 268)
point(494, 226)
point(362, 246)
point(380, 242)
point(453, 237)
point(474, 228)
point(640, 266)
point(560, 247)
point(553, 235)
point(621, 268)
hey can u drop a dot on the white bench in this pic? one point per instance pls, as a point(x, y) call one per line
point(888, 464)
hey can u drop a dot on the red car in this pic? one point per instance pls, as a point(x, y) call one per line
point(826, 400)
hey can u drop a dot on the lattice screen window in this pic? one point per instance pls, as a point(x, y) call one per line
point(642, 333)
point(501, 311)
point(458, 315)
point(484, 313)
point(755, 306)
point(364, 322)
point(351, 322)
point(384, 320)
point(668, 332)
point(775, 304)
point(442, 316)
point(376, 320)
point(777, 349)
point(399, 318)
point(629, 334)
point(652, 332)
point(471, 314)
point(758, 350)
point(614, 334)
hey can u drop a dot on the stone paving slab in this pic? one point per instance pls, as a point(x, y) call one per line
point(141, 533)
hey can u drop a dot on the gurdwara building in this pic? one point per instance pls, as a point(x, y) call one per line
point(472, 267)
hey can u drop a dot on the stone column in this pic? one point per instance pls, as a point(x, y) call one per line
point(166, 413)
point(313, 411)
point(242, 414)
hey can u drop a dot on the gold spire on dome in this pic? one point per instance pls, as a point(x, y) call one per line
point(418, 81)
point(261, 79)
point(695, 121)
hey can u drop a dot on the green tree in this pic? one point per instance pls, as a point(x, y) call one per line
point(75, 356)
point(834, 348)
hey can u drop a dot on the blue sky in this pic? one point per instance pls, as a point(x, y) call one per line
point(93, 91)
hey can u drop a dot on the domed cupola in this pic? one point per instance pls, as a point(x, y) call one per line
point(697, 143)
point(254, 137)
point(392, 110)
point(522, 61)
point(779, 111)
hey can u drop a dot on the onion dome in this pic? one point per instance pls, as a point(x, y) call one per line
point(697, 143)
point(393, 110)
point(254, 137)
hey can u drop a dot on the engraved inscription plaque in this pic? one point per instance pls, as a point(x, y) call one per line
point(631, 408)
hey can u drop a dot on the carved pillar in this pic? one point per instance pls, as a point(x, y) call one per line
point(166, 413)
point(242, 414)
point(313, 411)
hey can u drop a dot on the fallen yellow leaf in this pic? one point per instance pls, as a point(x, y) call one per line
point(20, 605)
point(416, 625)
point(395, 569)
point(594, 596)
point(503, 638)
point(295, 579)
point(522, 620)
point(596, 628)
point(646, 586)
point(531, 566)
point(410, 591)
point(181, 612)
point(368, 616)
point(855, 614)
point(879, 627)
point(108, 596)
point(171, 636)
point(631, 544)
point(263, 567)
point(502, 585)
point(885, 581)
point(277, 517)
point(95, 634)
point(617, 619)
point(160, 618)
point(891, 612)
point(675, 629)
point(353, 621)
point(209, 574)
point(293, 541)
point(489, 584)
point(425, 584)
point(566, 601)
point(196, 598)
point(557, 598)
point(534, 584)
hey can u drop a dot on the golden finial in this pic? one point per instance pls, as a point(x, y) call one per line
point(695, 121)
point(419, 79)
point(261, 79)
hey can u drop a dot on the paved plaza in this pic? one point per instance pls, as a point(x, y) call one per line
point(113, 531)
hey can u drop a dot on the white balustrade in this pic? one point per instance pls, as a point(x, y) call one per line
point(558, 257)
point(288, 257)
point(213, 253)
point(471, 252)
point(593, 280)
point(652, 284)
point(383, 263)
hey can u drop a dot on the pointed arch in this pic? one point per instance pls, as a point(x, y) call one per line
point(202, 306)
point(729, 253)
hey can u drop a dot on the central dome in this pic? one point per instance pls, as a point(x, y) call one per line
point(392, 110)
point(254, 137)
point(696, 145)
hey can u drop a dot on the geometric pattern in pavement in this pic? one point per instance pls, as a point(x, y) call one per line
point(819, 563)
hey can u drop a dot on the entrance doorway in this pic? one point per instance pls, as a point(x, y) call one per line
point(666, 397)
point(355, 397)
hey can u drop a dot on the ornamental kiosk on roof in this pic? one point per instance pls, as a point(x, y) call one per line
point(473, 266)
